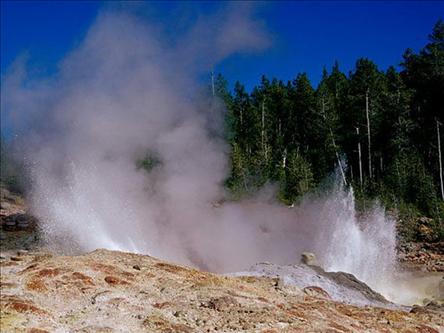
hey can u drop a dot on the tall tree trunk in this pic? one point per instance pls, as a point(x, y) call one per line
point(263, 129)
point(284, 159)
point(368, 134)
point(334, 143)
point(360, 157)
point(440, 159)
point(338, 158)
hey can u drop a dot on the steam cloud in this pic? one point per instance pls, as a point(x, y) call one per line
point(124, 91)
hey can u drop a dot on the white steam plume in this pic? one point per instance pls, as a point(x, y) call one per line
point(125, 91)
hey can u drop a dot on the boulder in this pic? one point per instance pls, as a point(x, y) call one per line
point(309, 258)
point(339, 286)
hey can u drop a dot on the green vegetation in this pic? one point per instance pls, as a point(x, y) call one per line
point(383, 124)
point(11, 172)
point(149, 162)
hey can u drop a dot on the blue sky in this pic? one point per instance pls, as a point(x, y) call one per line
point(305, 35)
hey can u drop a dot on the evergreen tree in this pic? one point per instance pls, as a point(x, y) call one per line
point(383, 123)
point(298, 177)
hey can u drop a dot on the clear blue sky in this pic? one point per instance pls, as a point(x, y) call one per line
point(306, 35)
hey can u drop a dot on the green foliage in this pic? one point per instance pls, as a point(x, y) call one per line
point(297, 178)
point(293, 134)
point(12, 173)
point(149, 162)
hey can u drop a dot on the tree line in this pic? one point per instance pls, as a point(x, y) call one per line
point(382, 129)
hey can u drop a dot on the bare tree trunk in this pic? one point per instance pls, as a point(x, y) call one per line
point(368, 134)
point(338, 158)
point(360, 157)
point(263, 129)
point(284, 159)
point(440, 159)
point(334, 144)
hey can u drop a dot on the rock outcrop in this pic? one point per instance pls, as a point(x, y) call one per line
point(422, 256)
point(309, 258)
point(340, 286)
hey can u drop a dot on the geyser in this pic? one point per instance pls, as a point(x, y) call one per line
point(125, 92)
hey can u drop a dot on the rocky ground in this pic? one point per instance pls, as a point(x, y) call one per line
point(422, 256)
point(106, 291)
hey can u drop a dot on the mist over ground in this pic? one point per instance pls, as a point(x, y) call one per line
point(126, 91)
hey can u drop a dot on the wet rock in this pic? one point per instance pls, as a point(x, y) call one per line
point(350, 281)
point(340, 286)
point(309, 258)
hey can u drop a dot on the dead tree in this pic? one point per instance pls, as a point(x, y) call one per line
point(368, 135)
point(264, 148)
point(334, 143)
point(360, 157)
point(439, 158)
